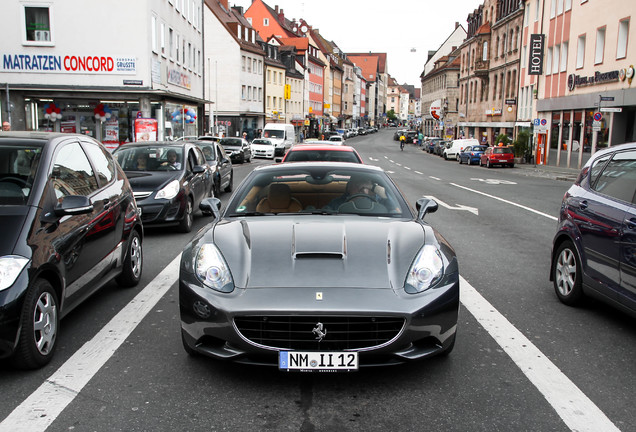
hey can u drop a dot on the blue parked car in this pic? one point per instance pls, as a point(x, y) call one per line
point(471, 154)
point(593, 248)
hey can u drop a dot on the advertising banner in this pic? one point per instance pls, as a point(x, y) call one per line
point(111, 134)
point(436, 109)
point(145, 129)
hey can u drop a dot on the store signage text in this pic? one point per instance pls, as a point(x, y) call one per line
point(68, 64)
point(598, 78)
point(535, 63)
point(178, 78)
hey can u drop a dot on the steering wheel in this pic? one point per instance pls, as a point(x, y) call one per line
point(20, 182)
point(360, 195)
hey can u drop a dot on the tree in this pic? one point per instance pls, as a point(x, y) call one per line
point(390, 114)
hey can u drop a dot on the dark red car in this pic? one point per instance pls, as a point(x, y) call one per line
point(499, 155)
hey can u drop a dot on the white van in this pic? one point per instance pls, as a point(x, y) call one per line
point(452, 151)
point(281, 134)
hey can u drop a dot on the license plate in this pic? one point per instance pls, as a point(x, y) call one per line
point(315, 361)
point(503, 160)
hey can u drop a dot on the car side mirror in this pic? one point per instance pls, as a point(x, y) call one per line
point(424, 206)
point(73, 205)
point(198, 169)
point(211, 206)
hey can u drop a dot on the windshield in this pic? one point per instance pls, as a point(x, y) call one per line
point(268, 133)
point(321, 155)
point(317, 190)
point(150, 158)
point(231, 142)
point(263, 142)
point(18, 167)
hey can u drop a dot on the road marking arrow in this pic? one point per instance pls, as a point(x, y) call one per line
point(473, 210)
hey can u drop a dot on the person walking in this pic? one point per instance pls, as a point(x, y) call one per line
point(6, 126)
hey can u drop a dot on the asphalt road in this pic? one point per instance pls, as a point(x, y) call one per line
point(522, 361)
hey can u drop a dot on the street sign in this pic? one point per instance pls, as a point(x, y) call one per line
point(611, 109)
point(607, 98)
point(598, 116)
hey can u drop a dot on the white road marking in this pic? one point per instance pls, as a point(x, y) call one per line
point(435, 178)
point(577, 411)
point(507, 202)
point(473, 210)
point(43, 406)
point(407, 168)
point(417, 172)
point(494, 181)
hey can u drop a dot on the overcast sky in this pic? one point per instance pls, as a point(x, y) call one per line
point(405, 29)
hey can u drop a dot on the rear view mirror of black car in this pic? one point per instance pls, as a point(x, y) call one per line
point(73, 205)
point(211, 206)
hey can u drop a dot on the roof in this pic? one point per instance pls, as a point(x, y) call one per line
point(368, 64)
point(231, 19)
point(381, 59)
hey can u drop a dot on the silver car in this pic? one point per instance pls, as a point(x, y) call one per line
point(319, 267)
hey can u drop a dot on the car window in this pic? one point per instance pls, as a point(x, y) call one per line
point(597, 168)
point(618, 178)
point(502, 150)
point(104, 164)
point(72, 173)
point(208, 152)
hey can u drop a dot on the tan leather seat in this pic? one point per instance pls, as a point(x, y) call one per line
point(279, 200)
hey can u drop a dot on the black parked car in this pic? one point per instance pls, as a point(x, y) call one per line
point(70, 225)
point(237, 149)
point(593, 251)
point(169, 180)
point(222, 169)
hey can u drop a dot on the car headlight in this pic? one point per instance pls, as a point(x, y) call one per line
point(212, 270)
point(169, 191)
point(10, 268)
point(427, 269)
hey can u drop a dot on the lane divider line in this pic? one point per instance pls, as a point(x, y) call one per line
point(46, 403)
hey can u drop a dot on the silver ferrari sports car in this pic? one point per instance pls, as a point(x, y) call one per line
point(318, 267)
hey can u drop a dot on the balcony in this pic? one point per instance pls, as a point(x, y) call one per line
point(482, 68)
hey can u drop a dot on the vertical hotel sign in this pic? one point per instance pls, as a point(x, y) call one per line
point(535, 63)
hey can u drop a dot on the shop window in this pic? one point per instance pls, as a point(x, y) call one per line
point(37, 24)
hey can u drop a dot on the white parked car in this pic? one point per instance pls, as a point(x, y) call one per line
point(262, 147)
point(337, 139)
point(452, 152)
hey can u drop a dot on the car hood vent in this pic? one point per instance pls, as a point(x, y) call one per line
point(317, 240)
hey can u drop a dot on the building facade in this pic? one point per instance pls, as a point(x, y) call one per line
point(489, 71)
point(584, 90)
point(116, 92)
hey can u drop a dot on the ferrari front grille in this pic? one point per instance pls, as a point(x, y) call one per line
point(329, 333)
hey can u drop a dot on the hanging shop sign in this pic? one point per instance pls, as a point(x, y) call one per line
point(575, 81)
point(85, 64)
point(535, 62)
point(436, 109)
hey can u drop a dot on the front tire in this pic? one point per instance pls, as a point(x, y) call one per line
point(566, 274)
point(133, 263)
point(40, 324)
point(185, 226)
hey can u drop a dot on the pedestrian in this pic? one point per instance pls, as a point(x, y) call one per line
point(420, 138)
point(6, 126)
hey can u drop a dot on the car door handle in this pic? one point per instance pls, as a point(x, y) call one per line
point(583, 205)
point(631, 223)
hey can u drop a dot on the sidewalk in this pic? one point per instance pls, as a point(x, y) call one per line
point(556, 173)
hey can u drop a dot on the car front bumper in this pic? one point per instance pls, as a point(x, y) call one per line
point(210, 320)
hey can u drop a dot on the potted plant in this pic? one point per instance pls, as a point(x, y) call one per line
point(520, 146)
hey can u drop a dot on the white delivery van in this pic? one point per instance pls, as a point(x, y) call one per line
point(452, 152)
point(281, 134)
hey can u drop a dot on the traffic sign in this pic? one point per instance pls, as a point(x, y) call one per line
point(598, 116)
point(611, 109)
point(607, 98)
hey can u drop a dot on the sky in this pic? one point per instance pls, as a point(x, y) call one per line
point(404, 29)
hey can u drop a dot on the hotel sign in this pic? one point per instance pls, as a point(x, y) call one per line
point(535, 62)
point(598, 78)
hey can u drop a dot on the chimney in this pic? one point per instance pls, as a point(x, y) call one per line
point(281, 16)
point(456, 25)
point(238, 9)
